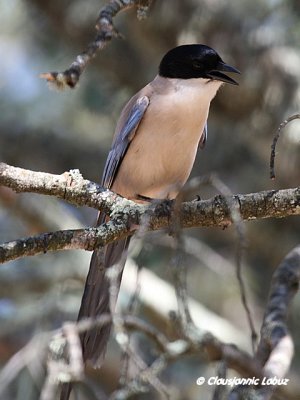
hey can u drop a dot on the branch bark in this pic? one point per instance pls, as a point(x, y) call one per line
point(84, 239)
point(125, 214)
point(276, 347)
point(105, 33)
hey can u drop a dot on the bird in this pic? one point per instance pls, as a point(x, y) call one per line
point(155, 144)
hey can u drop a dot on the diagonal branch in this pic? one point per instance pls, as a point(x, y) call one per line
point(276, 348)
point(105, 33)
point(84, 239)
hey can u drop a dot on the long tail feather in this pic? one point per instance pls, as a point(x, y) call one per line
point(96, 298)
point(96, 301)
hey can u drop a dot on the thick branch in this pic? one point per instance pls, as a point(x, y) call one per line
point(71, 187)
point(124, 213)
point(276, 348)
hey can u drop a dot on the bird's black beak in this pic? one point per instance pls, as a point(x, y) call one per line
point(218, 75)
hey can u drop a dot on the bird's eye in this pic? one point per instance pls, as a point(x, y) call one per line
point(197, 64)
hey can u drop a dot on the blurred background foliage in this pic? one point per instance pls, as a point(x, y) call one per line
point(56, 131)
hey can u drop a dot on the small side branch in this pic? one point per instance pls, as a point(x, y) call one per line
point(272, 359)
point(275, 140)
point(169, 351)
point(105, 33)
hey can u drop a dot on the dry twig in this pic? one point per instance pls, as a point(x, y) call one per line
point(275, 140)
point(272, 359)
point(106, 31)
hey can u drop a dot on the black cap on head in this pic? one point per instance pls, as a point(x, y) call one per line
point(195, 61)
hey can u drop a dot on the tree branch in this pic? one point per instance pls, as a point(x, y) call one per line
point(73, 188)
point(125, 214)
point(275, 361)
point(69, 186)
point(275, 350)
point(275, 140)
point(84, 239)
point(105, 33)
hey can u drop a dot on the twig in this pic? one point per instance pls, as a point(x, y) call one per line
point(170, 351)
point(105, 33)
point(131, 309)
point(236, 216)
point(75, 350)
point(275, 140)
point(58, 371)
point(33, 352)
point(179, 268)
point(144, 374)
point(214, 349)
point(220, 389)
point(241, 245)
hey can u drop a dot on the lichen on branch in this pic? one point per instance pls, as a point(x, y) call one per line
point(125, 215)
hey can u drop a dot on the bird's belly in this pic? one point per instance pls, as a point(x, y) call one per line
point(161, 155)
point(156, 166)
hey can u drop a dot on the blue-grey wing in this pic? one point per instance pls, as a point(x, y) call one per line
point(123, 139)
point(96, 297)
point(203, 139)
